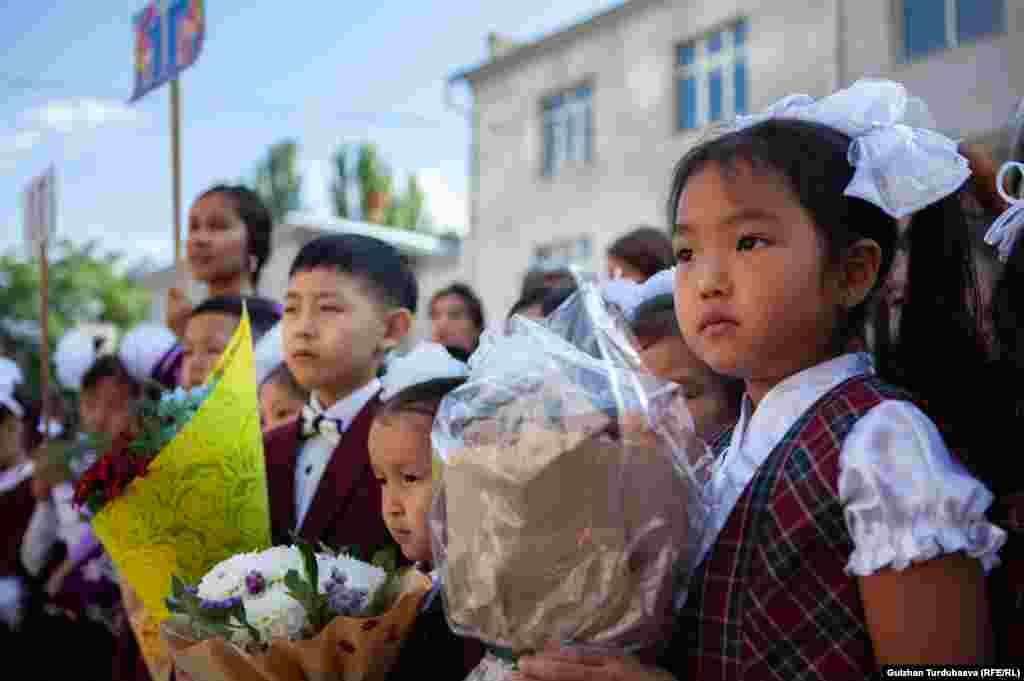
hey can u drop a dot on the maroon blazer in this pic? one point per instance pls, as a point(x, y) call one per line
point(346, 509)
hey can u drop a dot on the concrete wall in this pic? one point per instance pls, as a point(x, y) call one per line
point(791, 48)
point(972, 90)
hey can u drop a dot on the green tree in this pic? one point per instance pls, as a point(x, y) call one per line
point(371, 174)
point(340, 184)
point(85, 286)
point(278, 181)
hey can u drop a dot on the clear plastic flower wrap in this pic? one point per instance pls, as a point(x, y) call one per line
point(572, 503)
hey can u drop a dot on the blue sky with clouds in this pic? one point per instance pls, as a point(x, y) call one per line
point(325, 73)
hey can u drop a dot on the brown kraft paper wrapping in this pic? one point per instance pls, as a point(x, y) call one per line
point(348, 649)
point(550, 534)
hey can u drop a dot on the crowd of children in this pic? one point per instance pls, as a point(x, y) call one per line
point(818, 302)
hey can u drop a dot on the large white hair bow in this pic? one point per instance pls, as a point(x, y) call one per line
point(425, 362)
point(628, 295)
point(10, 377)
point(1005, 231)
point(900, 165)
point(75, 355)
point(143, 347)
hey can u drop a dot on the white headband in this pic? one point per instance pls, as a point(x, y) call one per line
point(425, 362)
point(628, 295)
point(899, 168)
point(1005, 231)
point(10, 376)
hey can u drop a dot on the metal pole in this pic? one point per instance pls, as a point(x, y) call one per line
point(176, 165)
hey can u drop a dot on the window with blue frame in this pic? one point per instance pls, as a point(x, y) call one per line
point(933, 25)
point(568, 120)
point(712, 77)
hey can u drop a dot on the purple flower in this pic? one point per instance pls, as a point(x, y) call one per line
point(226, 604)
point(255, 583)
point(343, 600)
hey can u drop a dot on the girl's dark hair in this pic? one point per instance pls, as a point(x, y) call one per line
point(282, 375)
point(533, 297)
point(554, 298)
point(472, 301)
point(647, 249)
point(942, 289)
point(254, 215)
point(422, 398)
point(656, 318)
point(263, 313)
point(109, 366)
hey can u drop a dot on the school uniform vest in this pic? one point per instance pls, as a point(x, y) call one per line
point(771, 599)
point(346, 508)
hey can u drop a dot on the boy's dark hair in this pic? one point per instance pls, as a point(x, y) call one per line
point(813, 160)
point(377, 263)
point(263, 313)
point(656, 318)
point(282, 375)
point(422, 398)
point(647, 249)
point(109, 366)
point(554, 298)
point(533, 297)
point(469, 297)
point(254, 215)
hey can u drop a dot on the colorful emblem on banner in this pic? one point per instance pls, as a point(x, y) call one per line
point(168, 39)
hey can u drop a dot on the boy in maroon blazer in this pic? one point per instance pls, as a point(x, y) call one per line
point(350, 300)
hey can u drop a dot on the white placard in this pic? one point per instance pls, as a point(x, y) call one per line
point(40, 218)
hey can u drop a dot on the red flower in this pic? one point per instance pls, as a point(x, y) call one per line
point(110, 474)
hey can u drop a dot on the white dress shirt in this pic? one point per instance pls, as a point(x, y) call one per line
point(905, 498)
point(315, 453)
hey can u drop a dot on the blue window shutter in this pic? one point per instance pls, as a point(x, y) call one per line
point(715, 92)
point(687, 96)
point(924, 27)
point(977, 19)
point(740, 84)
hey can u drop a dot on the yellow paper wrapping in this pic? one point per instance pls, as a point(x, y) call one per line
point(205, 496)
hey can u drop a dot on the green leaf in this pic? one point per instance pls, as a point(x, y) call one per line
point(239, 612)
point(309, 561)
point(386, 559)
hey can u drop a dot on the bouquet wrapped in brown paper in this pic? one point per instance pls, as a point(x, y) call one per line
point(256, 618)
point(573, 504)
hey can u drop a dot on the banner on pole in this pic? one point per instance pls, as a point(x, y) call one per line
point(168, 39)
point(40, 219)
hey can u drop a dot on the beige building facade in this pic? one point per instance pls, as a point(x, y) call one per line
point(575, 135)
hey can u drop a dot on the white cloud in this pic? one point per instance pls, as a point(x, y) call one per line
point(447, 207)
point(73, 115)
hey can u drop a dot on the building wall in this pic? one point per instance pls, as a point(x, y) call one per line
point(972, 90)
point(791, 48)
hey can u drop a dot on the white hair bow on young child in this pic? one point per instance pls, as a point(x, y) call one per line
point(1005, 231)
point(75, 355)
point(425, 362)
point(901, 168)
point(10, 377)
point(627, 295)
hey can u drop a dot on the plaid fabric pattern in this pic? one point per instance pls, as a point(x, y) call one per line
point(772, 601)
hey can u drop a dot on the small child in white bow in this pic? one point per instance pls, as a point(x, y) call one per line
point(402, 458)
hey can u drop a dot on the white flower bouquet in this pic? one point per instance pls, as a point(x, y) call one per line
point(292, 614)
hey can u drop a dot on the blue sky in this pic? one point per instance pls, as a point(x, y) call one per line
point(325, 73)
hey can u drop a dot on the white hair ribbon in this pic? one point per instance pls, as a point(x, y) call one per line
point(899, 167)
point(425, 362)
point(628, 295)
point(10, 377)
point(1005, 231)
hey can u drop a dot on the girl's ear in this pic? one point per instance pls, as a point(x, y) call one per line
point(859, 272)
